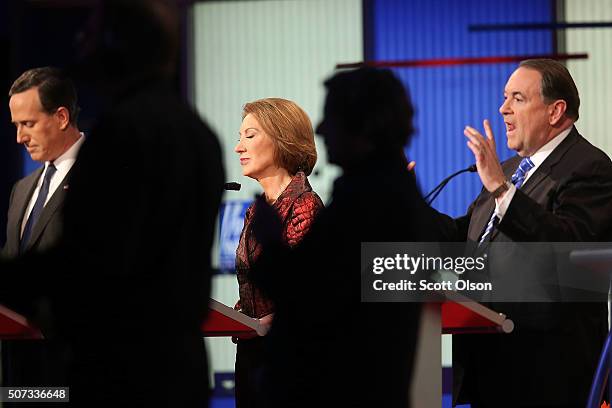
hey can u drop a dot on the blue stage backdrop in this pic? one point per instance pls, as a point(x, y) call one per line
point(449, 97)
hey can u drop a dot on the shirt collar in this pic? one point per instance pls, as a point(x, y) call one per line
point(298, 185)
point(538, 157)
point(68, 158)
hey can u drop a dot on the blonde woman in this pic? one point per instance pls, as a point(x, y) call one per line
point(277, 149)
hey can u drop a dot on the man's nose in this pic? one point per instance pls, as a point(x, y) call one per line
point(504, 108)
point(21, 135)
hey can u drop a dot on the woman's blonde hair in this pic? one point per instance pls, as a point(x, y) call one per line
point(291, 132)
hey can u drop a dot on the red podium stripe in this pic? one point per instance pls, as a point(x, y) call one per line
point(437, 62)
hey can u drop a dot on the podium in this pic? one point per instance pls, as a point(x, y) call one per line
point(598, 260)
point(453, 314)
point(14, 326)
point(223, 321)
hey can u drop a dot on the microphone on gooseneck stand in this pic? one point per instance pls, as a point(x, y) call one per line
point(232, 185)
point(436, 191)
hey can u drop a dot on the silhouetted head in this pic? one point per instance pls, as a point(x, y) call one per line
point(367, 111)
point(127, 40)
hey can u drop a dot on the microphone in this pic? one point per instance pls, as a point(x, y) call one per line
point(436, 191)
point(232, 185)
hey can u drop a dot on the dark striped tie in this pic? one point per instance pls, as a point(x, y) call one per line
point(518, 178)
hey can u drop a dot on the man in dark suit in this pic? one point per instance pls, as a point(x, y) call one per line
point(43, 105)
point(558, 188)
point(130, 281)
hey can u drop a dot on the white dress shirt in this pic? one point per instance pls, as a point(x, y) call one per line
point(63, 164)
point(502, 203)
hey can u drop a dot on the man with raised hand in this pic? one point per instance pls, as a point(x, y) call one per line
point(558, 188)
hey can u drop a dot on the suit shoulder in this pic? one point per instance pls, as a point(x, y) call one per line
point(585, 163)
point(307, 202)
point(309, 197)
point(30, 178)
point(306, 207)
point(587, 151)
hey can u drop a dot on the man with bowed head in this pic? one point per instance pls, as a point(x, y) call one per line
point(43, 105)
point(557, 188)
point(129, 283)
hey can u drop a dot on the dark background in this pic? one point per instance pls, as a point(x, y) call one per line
point(36, 33)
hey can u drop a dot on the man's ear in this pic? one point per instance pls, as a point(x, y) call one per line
point(557, 110)
point(63, 117)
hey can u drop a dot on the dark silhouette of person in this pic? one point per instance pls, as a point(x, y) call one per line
point(129, 283)
point(326, 347)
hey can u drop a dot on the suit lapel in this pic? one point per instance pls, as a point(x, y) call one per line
point(482, 213)
point(551, 161)
point(54, 203)
point(544, 169)
point(480, 218)
point(19, 205)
